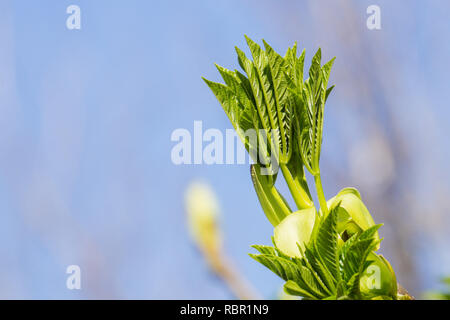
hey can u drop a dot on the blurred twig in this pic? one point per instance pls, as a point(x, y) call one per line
point(202, 209)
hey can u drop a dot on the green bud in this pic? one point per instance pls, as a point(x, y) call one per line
point(294, 232)
point(203, 212)
point(378, 280)
point(353, 215)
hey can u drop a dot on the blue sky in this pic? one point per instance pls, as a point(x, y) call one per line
point(86, 117)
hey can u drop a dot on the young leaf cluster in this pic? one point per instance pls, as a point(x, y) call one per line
point(326, 270)
point(284, 112)
point(271, 98)
point(311, 96)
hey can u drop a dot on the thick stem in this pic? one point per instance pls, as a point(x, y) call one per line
point(320, 195)
point(299, 194)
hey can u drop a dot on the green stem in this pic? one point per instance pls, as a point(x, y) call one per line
point(320, 195)
point(299, 194)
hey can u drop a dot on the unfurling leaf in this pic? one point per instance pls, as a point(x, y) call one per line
point(353, 215)
point(294, 232)
point(378, 279)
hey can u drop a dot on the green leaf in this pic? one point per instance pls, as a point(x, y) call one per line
point(371, 233)
point(326, 69)
point(292, 288)
point(321, 255)
point(317, 133)
point(294, 232)
point(295, 66)
point(284, 268)
point(239, 110)
point(326, 244)
point(340, 289)
point(246, 86)
point(256, 89)
point(353, 290)
point(310, 100)
point(284, 114)
point(328, 92)
point(345, 249)
point(260, 62)
point(265, 249)
point(314, 70)
point(291, 57)
point(245, 108)
point(356, 256)
point(310, 283)
point(227, 99)
point(303, 125)
point(299, 68)
point(305, 262)
point(312, 258)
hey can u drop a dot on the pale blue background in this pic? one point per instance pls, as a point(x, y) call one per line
point(86, 117)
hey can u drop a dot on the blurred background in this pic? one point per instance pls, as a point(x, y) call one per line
point(86, 117)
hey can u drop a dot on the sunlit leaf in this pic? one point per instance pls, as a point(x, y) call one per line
point(294, 232)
